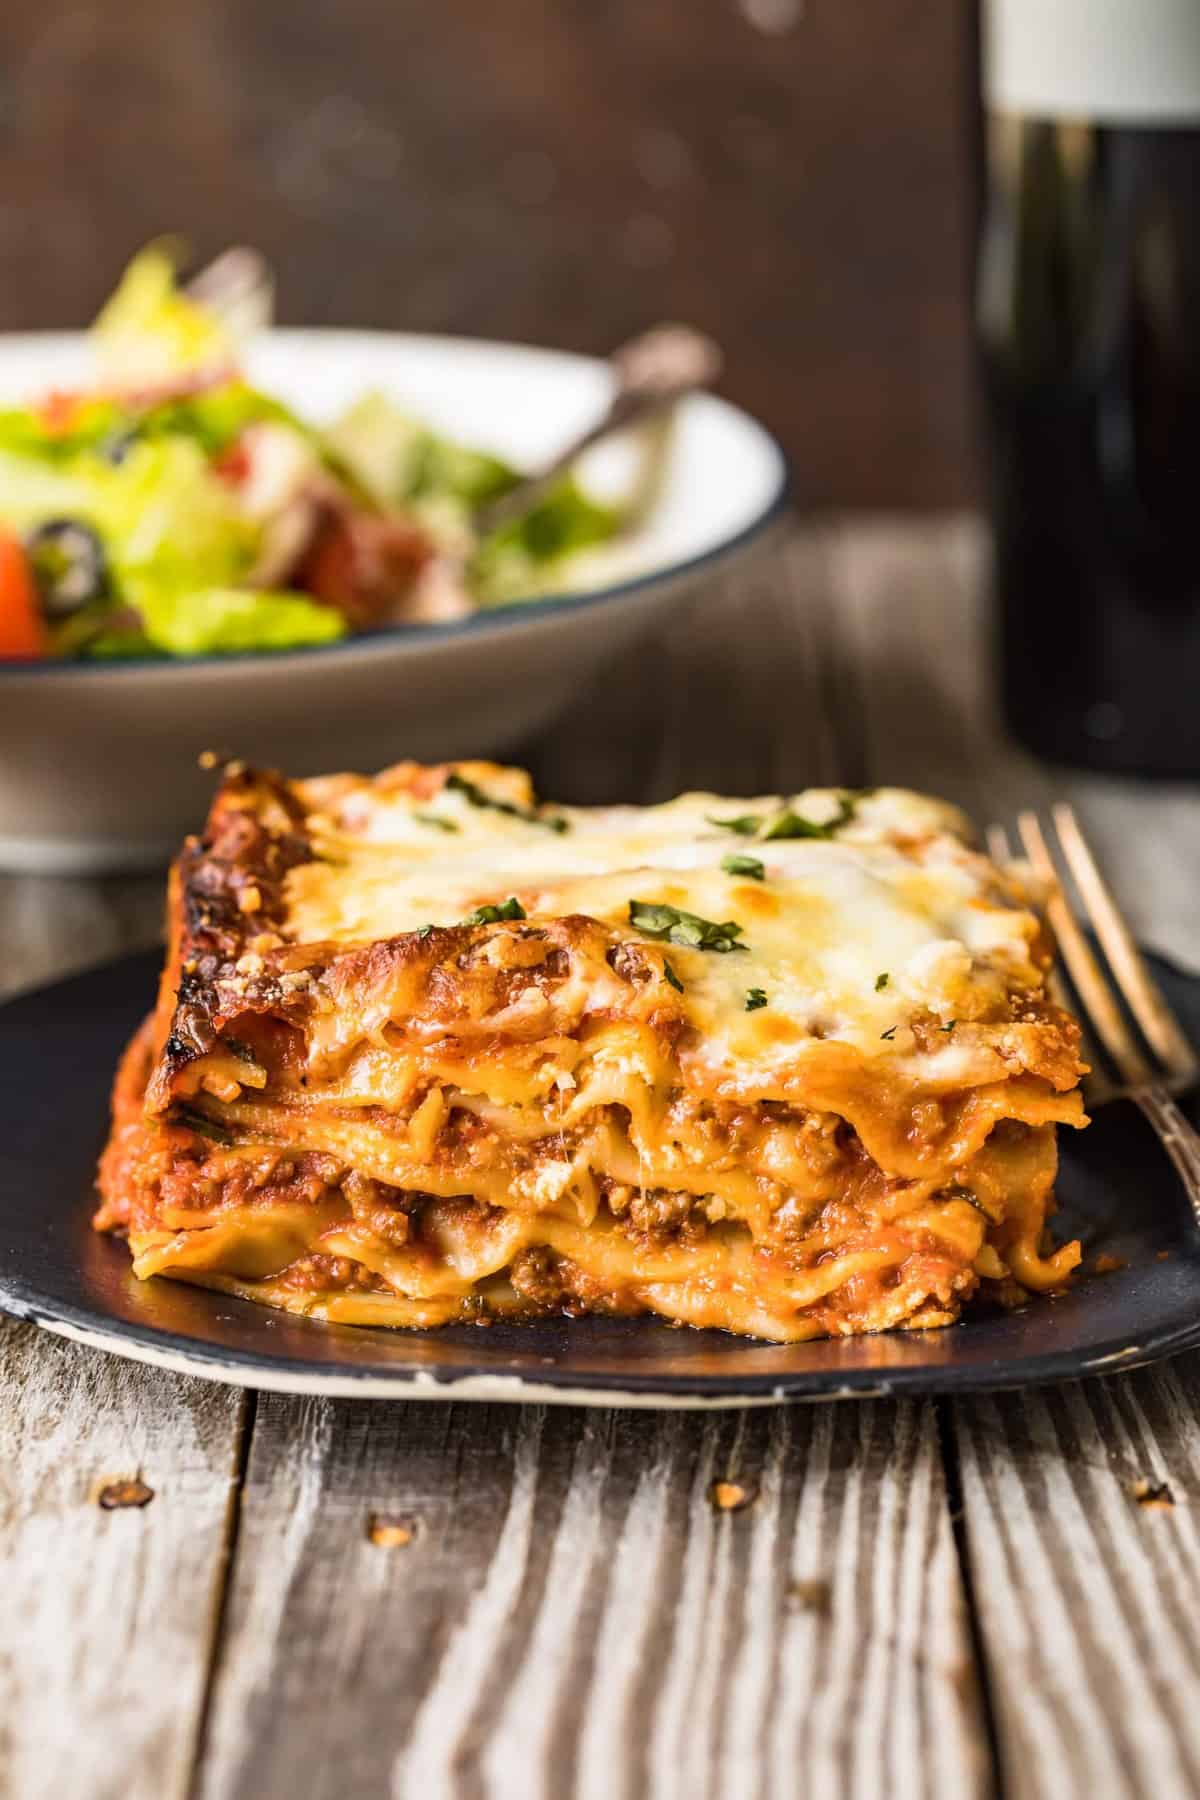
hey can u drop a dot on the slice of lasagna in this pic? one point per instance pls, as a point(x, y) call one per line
point(426, 1050)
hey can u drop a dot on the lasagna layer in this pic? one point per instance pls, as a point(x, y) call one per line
point(425, 1051)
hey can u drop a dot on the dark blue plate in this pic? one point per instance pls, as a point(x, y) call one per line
point(58, 1049)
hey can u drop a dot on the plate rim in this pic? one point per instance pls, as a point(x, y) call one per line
point(266, 1371)
point(260, 1372)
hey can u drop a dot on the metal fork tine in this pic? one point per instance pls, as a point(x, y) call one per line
point(1097, 1087)
point(1099, 1001)
point(1141, 991)
point(1099, 1007)
point(997, 845)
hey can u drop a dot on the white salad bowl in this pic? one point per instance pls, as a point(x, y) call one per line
point(98, 760)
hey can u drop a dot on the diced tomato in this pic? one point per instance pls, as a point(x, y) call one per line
point(233, 464)
point(59, 410)
point(22, 633)
point(364, 564)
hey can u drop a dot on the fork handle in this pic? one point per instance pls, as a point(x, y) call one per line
point(1177, 1135)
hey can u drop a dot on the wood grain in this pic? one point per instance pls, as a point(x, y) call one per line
point(1086, 1596)
point(106, 1612)
point(574, 1615)
point(106, 1616)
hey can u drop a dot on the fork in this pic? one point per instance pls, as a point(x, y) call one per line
point(649, 373)
point(1167, 1064)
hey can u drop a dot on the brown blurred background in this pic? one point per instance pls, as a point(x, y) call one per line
point(792, 175)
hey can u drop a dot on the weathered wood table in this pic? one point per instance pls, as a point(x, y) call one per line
point(924, 1599)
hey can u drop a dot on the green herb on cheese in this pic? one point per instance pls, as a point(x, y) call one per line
point(656, 920)
point(743, 865)
point(492, 915)
point(475, 796)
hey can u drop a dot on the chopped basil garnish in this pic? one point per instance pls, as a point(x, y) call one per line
point(425, 931)
point(881, 982)
point(672, 977)
point(743, 865)
point(755, 997)
point(476, 797)
point(889, 1034)
point(657, 920)
point(491, 915)
point(950, 1026)
point(439, 824)
point(791, 824)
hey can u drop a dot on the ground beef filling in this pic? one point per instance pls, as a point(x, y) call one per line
point(545, 1282)
point(155, 1173)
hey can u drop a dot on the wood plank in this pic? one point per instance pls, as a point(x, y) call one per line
point(1087, 1599)
point(106, 1615)
point(572, 1614)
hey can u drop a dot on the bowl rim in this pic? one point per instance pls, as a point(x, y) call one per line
point(493, 619)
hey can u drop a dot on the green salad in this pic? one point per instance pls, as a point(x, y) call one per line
point(173, 509)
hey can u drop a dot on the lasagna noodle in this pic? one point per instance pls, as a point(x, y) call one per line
point(414, 1062)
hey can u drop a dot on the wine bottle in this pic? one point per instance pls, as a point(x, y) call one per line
point(1088, 294)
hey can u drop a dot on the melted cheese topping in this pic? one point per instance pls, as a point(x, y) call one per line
point(897, 893)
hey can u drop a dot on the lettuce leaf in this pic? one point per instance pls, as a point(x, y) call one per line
point(521, 559)
point(403, 463)
point(150, 334)
point(176, 543)
point(213, 417)
point(471, 476)
point(163, 513)
point(26, 431)
point(399, 460)
point(32, 491)
point(223, 620)
point(380, 444)
point(161, 509)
